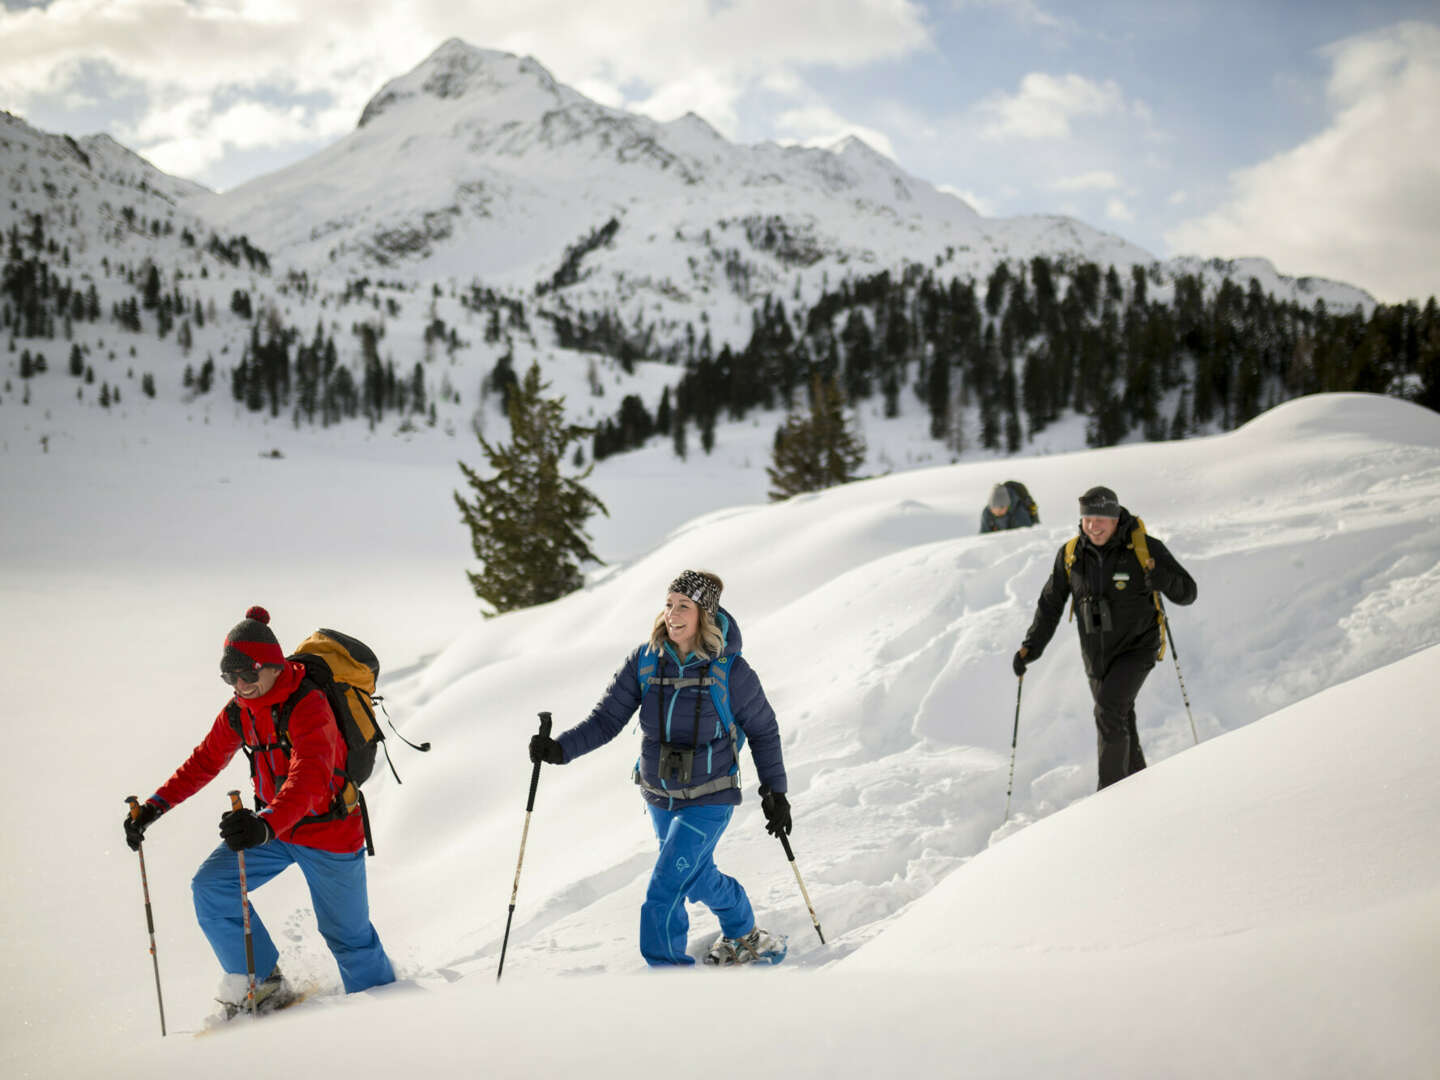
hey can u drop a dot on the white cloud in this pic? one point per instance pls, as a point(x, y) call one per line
point(983, 206)
point(1044, 106)
point(1095, 180)
point(187, 138)
point(1358, 201)
point(601, 91)
point(818, 125)
point(711, 94)
point(1117, 210)
point(666, 57)
point(1024, 11)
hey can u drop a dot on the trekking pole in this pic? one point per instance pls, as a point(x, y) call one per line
point(1175, 655)
point(799, 881)
point(524, 835)
point(245, 909)
point(149, 918)
point(1014, 740)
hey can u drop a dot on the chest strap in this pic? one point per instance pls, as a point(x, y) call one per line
point(682, 683)
point(710, 787)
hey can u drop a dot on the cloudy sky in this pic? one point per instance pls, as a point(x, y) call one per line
point(1307, 131)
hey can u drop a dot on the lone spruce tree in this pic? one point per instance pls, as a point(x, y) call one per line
point(526, 521)
point(817, 451)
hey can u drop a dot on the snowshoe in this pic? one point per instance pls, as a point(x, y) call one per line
point(757, 947)
point(272, 994)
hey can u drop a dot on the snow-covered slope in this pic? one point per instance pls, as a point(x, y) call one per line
point(98, 157)
point(94, 197)
point(1274, 880)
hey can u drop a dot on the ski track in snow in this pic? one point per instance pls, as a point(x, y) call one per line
point(897, 721)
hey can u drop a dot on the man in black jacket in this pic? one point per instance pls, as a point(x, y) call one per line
point(1114, 604)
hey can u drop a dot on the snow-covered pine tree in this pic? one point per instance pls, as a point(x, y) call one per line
point(526, 520)
point(817, 451)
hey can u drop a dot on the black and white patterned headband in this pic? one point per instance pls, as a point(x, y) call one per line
point(699, 588)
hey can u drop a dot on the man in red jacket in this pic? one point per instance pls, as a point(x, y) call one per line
point(297, 778)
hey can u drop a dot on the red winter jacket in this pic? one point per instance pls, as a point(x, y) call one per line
point(292, 787)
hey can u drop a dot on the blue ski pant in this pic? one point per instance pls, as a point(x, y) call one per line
point(337, 890)
point(684, 871)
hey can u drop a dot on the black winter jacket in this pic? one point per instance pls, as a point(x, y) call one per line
point(1114, 608)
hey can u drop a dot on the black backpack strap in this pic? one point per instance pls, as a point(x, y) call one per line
point(365, 820)
point(281, 713)
point(237, 725)
point(424, 748)
point(281, 717)
point(699, 700)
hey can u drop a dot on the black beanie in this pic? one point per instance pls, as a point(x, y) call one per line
point(1099, 502)
point(251, 644)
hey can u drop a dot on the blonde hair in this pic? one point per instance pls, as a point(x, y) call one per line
point(709, 641)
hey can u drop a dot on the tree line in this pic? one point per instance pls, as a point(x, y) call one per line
point(1041, 337)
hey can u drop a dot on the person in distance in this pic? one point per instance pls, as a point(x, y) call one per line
point(1006, 509)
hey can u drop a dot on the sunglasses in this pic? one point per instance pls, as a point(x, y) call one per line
point(232, 675)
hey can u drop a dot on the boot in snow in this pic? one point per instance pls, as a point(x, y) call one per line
point(757, 947)
point(271, 994)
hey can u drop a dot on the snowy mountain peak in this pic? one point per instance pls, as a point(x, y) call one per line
point(695, 127)
point(46, 172)
point(457, 70)
point(856, 148)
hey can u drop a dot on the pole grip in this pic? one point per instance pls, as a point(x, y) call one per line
point(785, 843)
point(134, 806)
point(1170, 633)
point(545, 724)
point(235, 803)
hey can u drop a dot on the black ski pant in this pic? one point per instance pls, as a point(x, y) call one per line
point(1114, 694)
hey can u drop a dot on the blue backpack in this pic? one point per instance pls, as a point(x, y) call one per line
point(718, 680)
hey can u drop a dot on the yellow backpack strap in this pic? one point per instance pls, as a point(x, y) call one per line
point(1070, 546)
point(1142, 552)
point(1137, 541)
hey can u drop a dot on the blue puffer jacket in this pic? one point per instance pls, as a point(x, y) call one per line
point(668, 714)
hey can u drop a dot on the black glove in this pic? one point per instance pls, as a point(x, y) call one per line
point(777, 812)
point(241, 829)
point(544, 748)
point(1158, 578)
point(135, 826)
point(1017, 665)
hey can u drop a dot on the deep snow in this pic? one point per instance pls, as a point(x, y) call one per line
point(1259, 905)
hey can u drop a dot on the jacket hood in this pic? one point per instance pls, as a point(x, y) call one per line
point(731, 629)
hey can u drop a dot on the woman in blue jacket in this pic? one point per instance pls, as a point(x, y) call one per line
point(699, 702)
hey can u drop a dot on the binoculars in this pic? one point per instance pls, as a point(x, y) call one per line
point(1094, 614)
point(676, 763)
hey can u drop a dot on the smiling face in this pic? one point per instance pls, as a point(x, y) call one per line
point(682, 621)
point(1099, 529)
point(263, 684)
